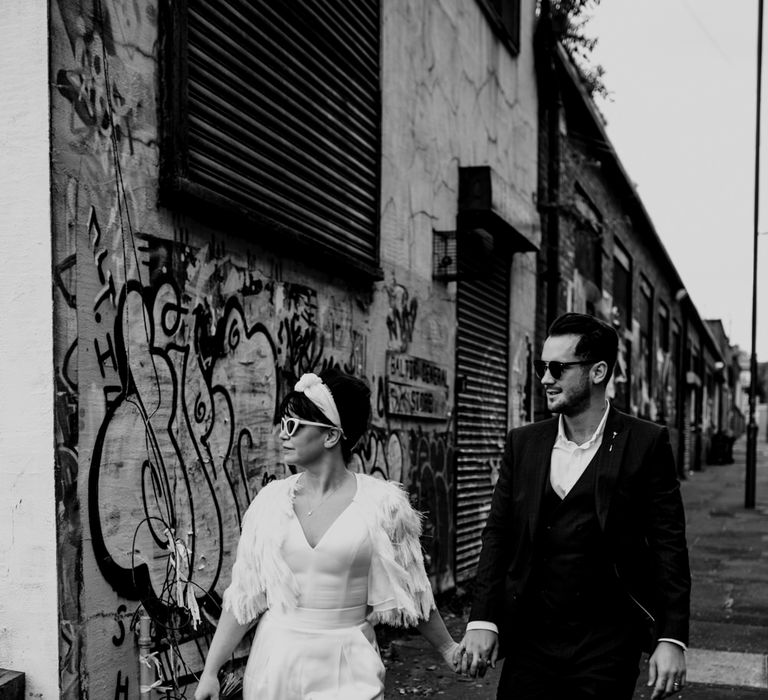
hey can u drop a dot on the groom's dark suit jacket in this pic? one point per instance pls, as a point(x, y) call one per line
point(639, 508)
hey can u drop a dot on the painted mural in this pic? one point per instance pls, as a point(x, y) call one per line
point(174, 346)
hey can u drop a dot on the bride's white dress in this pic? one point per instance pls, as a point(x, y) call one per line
point(323, 649)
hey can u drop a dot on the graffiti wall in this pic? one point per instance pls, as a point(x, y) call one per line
point(174, 345)
point(167, 402)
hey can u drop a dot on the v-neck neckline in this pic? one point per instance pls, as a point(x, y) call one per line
point(335, 520)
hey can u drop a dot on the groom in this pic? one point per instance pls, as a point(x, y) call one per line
point(584, 561)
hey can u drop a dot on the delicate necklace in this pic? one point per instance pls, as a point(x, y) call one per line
point(327, 495)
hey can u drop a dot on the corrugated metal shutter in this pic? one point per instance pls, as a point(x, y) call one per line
point(282, 116)
point(482, 367)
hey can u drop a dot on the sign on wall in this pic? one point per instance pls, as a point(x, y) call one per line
point(416, 388)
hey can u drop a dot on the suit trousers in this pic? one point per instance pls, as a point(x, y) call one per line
point(551, 659)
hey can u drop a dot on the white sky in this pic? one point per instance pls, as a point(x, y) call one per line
point(682, 74)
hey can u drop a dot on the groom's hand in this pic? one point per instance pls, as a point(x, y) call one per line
point(481, 649)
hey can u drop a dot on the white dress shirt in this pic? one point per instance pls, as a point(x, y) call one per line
point(569, 460)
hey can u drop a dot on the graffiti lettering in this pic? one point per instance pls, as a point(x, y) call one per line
point(58, 274)
point(422, 402)
point(381, 397)
point(94, 236)
point(101, 105)
point(111, 393)
point(356, 361)
point(303, 300)
point(251, 286)
point(106, 292)
point(68, 636)
point(68, 367)
point(119, 638)
point(121, 687)
point(304, 346)
point(407, 367)
point(170, 317)
point(108, 354)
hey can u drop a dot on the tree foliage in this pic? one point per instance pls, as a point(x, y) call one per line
point(569, 20)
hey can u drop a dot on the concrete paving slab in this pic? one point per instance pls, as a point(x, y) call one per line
point(695, 691)
point(725, 635)
point(729, 668)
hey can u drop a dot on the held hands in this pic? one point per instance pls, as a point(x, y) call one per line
point(478, 650)
point(666, 670)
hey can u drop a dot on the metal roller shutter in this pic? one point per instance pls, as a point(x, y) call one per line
point(280, 116)
point(482, 366)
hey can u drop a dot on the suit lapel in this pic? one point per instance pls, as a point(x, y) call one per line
point(538, 471)
point(611, 456)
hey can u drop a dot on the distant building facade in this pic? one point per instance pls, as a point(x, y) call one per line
point(601, 254)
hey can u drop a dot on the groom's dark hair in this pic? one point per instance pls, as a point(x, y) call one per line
point(598, 341)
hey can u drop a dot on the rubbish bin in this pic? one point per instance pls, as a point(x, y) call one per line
point(720, 449)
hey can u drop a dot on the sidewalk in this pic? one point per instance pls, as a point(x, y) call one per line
point(729, 627)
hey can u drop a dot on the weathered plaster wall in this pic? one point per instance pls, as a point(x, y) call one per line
point(28, 629)
point(175, 341)
point(455, 97)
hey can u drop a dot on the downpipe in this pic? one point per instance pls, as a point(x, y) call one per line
point(147, 681)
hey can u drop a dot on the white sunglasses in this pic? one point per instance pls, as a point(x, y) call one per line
point(290, 425)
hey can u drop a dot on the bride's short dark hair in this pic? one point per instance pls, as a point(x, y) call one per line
point(352, 397)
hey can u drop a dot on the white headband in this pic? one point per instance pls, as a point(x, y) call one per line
point(319, 394)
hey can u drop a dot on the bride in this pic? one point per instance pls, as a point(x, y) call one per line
point(323, 556)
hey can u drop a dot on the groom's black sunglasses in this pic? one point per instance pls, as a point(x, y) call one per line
point(556, 368)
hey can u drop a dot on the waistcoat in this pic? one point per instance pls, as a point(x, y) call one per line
point(572, 577)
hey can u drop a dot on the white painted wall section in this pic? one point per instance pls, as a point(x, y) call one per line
point(28, 589)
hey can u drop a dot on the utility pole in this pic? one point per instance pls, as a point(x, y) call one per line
point(751, 470)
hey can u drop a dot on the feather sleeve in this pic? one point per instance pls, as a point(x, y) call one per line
point(261, 578)
point(399, 592)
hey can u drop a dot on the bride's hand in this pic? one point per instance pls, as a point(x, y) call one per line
point(451, 653)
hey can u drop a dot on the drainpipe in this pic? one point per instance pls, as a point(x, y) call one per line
point(548, 258)
point(553, 107)
point(682, 392)
point(146, 668)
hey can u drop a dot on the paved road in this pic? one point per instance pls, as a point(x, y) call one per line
point(729, 630)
